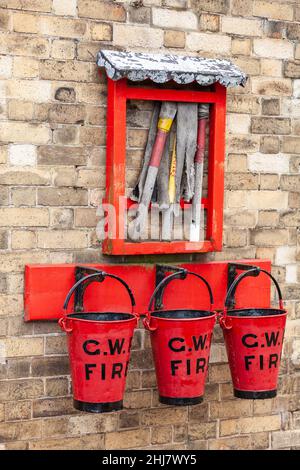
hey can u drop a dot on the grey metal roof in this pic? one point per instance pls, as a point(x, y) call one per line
point(161, 68)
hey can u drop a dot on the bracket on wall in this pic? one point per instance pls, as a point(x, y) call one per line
point(161, 270)
point(233, 268)
point(80, 272)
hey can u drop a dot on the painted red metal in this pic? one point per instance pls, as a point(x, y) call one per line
point(181, 340)
point(47, 285)
point(99, 350)
point(254, 340)
point(118, 93)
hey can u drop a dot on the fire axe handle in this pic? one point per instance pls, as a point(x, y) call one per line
point(196, 204)
point(142, 212)
point(166, 116)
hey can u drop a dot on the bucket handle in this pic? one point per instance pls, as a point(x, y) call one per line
point(234, 286)
point(161, 286)
point(93, 277)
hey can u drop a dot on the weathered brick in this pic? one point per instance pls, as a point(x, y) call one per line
point(62, 196)
point(23, 196)
point(241, 46)
point(20, 110)
point(62, 27)
point(25, 67)
point(65, 8)
point(278, 49)
point(271, 68)
point(60, 113)
point(15, 347)
point(243, 104)
point(241, 7)
point(5, 20)
point(22, 239)
point(290, 183)
point(265, 237)
point(212, 43)
point(61, 70)
point(66, 135)
point(230, 443)
point(27, 217)
point(133, 36)
point(24, 132)
point(268, 125)
point(62, 239)
point(174, 39)
point(248, 425)
point(241, 26)
point(267, 200)
point(291, 145)
point(53, 407)
point(25, 23)
point(242, 143)
point(269, 9)
point(202, 430)
point(34, 5)
point(24, 45)
point(20, 431)
point(101, 10)
point(268, 86)
point(63, 49)
point(5, 67)
point(57, 155)
point(101, 32)
point(292, 69)
point(271, 106)
point(21, 389)
point(57, 386)
point(18, 410)
point(268, 219)
point(127, 439)
point(269, 144)
point(174, 19)
point(215, 6)
point(241, 181)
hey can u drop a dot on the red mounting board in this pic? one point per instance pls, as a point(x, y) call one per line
point(46, 287)
point(118, 94)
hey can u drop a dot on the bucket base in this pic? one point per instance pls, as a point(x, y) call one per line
point(98, 407)
point(180, 401)
point(255, 395)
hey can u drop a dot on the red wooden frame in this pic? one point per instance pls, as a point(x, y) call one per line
point(118, 93)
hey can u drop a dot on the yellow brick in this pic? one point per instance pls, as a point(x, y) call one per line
point(241, 46)
point(22, 347)
point(62, 239)
point(34, 5)
point(15, 261)
point(63, 27)
point(127, 439)
point(174, 39)
point(25, 23)
point(250, 425)
point(273, 10)
point(63, 49)
point(24, 45)
point(25, 67)
point(24, 217)
point(10, 305)
point(20, 110)
point(271, 67)
point(136, 36)
point(101, 32)
point(23, 239)
point(24, 132)
point(101, 10)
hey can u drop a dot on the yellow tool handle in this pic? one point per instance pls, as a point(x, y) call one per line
point(172, 188)
point(164, 124)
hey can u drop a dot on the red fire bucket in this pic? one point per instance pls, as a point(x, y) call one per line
point(99, 349)
point(181, 345)
point(254, 338)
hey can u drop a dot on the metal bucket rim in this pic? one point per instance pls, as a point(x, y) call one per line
point(210, 313)
point(283, 313)
point(74, 317)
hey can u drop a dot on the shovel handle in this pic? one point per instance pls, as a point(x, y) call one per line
point(101, 275)
point(249, 273)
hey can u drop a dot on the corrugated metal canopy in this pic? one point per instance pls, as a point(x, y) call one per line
point(161, 68)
